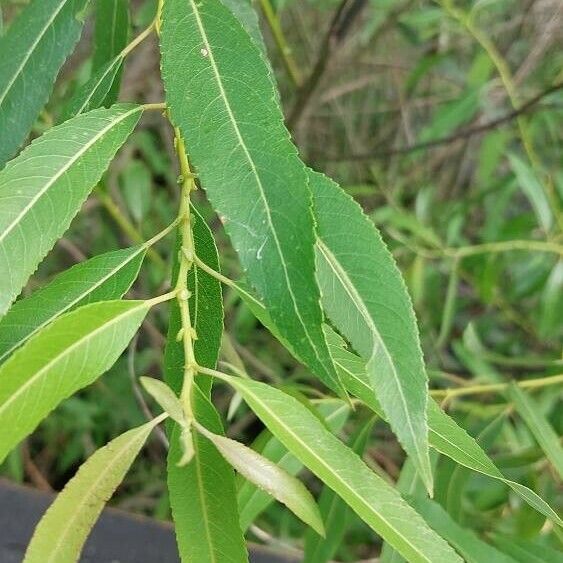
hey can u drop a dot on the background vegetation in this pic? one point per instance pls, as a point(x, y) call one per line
point(444, 121)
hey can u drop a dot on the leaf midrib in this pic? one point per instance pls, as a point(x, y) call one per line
point(84, 294)
point(257, 178)
point(64, 169)
point(65, 353)
point(330, 470)
point(350, 288)
point(31, 50)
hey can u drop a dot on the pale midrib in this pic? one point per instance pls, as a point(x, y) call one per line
point(258, 180)
point(72, 303)
point(98, 82)
point(65, 353)
point(64, 169)
point(322, 462)
point(31, 50)
point(356, 298)
point(86, 496)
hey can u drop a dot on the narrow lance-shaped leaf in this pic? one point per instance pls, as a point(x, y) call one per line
point(64, 528)
point(226, 109)
point(539, 427)
point(269, 477)
point(203, 502)
point(44, 187)
point(444, 434)
point(527, 551)
point(335, 511)
point(104, 277)
point(69, 354)
point(111, 34)
point(33, 50)
point(251, 500)
point(376, 502)
point(364, 295)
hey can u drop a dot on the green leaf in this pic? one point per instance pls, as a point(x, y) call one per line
point(44, 187)
point(465, 541)
point(111, 34)
point(252, 501)
point(444, 434)
point(366, 298)
point(136, 182)
point(69, 354)
point(334, 511)
point(532, 189)
point(203, 502)
point(539, 426)
point(202, 495)
point(33, 50)
point(527, 551)
point(246, 162)
point(269, 477)
point(165, 397)
point(375, 502)
point(107, 276)
point(64, 528)
point(247, 16)
point(93, 94)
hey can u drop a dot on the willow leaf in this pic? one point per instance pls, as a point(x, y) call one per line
point(33, 50)
point(526, 551)
point(365, 296)
point(104, 277)
point(252, 501)
point(269, 477)
point(64, 528)
point(44, 187)
point(539, 427)
point(374, 500)
point(203, 501)
point(228, 114)
point(444, 434)
point(111, 34)
point(69, 354)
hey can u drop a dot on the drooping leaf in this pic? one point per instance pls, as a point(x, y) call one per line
point(64, 528)
point(94, 93)
point(43, 188)
point(104, 277)
point(165, 397)
point(366, 298)
point(465, 541)
point(539, 427)
point(376, 502)
point(444, 434)
point(33, 50)
point(334, 510)
point(111, 34)
point(252, 501)
point(62, 358)
point(203, 502)
point(226, 109)
point(269, 477)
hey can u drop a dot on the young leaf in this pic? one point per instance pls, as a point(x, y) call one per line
point(270, 478)
point(366, 298)
point(241, 151)
point(43, 188)
point(465, 541)
point(444, 434)
point(165, 397)
point(539, 426)
point(64, 357)
point(252, 501)
point(203, 502)
point(335, 512)
point(64, 528)
point(375, 502)
point(33, 50)
point(110, 37)
point(104, 277)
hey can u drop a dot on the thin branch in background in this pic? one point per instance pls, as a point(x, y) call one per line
point(463, 134)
